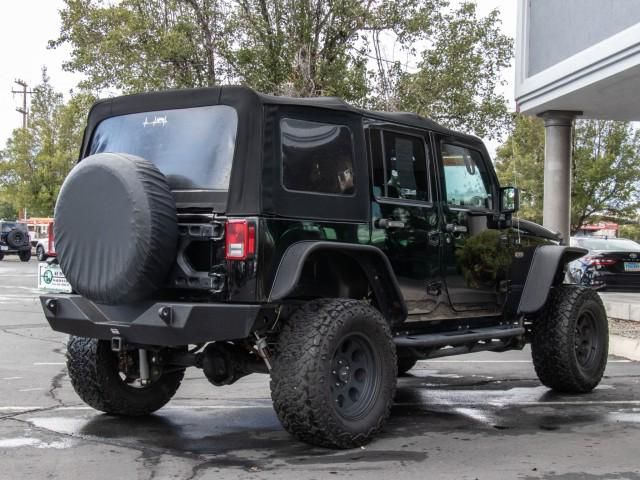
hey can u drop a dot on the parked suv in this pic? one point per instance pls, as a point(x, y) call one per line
point(14, 240)
point(328, 246)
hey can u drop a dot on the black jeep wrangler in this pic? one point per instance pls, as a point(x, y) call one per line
point(14, 240)
point(328, 246)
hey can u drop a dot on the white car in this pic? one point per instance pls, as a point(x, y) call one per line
point(42, 249)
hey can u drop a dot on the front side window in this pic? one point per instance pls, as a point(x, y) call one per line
point(317, 157)
point(193, 147)
point(466, 179)
point(399, 166)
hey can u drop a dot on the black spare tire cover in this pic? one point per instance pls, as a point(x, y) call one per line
point(115, 228)
point(16, 238)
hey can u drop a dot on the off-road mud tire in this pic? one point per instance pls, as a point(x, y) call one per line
point(405, 364)
point(93, 370)
point(1, 256)
point(302, 377)
point(25, 255)
point(553, 346)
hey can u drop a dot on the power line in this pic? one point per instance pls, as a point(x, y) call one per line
point(24, 92)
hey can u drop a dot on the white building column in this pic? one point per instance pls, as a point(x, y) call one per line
point(556, 213)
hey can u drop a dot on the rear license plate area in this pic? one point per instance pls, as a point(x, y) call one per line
point(632, 266)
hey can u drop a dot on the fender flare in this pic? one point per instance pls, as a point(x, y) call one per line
point(542, 272)
point(372, 260)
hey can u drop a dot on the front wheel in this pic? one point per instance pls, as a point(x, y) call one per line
point(334, 373)
point(41, 254)
point(107, 380)
point(570, 340)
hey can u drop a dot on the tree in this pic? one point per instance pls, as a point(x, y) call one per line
point(520, 162)
point(37, 159)
point(457, 78)
point(7, 211)
point(605, 173)
point(299, 48)
point(138, 45)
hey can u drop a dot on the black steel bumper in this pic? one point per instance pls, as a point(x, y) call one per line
point(150, 323)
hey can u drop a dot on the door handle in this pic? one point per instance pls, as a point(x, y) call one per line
point(455, 228)
point(386, 223)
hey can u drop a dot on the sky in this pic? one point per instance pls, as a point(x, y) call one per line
point(27, 25)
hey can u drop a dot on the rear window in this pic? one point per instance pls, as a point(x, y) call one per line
point(193, 147)
point(8, 226)
point(607, 244)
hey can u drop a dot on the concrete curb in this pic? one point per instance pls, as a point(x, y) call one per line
point(624, 347)
point(624, 311)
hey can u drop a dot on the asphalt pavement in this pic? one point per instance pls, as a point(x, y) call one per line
point(481, 416)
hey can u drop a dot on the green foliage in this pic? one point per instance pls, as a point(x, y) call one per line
point(605, 176)
point(631, 231)
point(138, 45)
point(605, 173)
point(520, 162)
point(7, 211)
point(37, 159)
point(456, 82)
point(299, 48)
point(484, 258)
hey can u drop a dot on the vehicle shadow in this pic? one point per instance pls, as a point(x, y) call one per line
point(252, 435)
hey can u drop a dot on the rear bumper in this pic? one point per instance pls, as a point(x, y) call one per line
point(13, 250)
point(616, 281)
point(142, 323)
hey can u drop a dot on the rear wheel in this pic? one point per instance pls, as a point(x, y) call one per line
point(334, 373)
point(1, 256)
point(25, 255)
point(108, 381)
point(40, 253)
point(571, 340)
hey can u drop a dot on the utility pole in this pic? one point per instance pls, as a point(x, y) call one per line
point(24, 92)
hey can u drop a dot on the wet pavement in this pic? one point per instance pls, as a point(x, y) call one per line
point(477, 416)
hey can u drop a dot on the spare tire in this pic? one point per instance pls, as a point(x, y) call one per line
point(17, 238)
point(116, 228)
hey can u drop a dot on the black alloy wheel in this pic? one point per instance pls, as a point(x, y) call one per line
point(586, 340)
point(355, 381)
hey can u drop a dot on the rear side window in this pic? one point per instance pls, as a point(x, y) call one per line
point(466, 178)
point(399, 166)
point(317, 157)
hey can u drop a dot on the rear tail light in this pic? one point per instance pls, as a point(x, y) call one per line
point(600, 262)
point(240, 239)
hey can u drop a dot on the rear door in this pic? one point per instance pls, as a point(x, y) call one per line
point(405, 222)
point(476, 253)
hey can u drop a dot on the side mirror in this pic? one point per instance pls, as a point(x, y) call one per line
point(509, 199)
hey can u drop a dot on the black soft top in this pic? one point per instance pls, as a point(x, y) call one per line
point(249, 191)
point(192, 97)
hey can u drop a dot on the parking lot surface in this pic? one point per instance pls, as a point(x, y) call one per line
point(479, 416)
